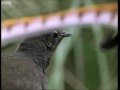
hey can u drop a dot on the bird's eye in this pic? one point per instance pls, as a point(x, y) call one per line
point(55, 34)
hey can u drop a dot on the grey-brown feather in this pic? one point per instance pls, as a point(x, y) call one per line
point(26, 68)
point(21, 73)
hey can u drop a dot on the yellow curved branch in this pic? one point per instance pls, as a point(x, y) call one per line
point(113, 7)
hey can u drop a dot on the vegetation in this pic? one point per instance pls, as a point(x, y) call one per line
point(79, 62)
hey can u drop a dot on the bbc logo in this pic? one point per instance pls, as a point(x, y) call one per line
point(6, 2)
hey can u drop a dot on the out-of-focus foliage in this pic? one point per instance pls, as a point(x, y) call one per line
point(79, 62)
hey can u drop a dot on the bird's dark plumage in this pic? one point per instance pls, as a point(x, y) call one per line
point(110, 43)
point(26, 68)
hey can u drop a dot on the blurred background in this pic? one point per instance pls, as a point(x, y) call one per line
point(79, 62)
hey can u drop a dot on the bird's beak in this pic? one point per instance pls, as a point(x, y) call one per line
point(65, 34)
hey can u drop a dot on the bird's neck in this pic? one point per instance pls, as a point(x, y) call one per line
point(35, 51)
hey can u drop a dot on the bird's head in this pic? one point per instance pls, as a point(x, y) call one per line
point(42, 46)
point(49, 40)
point(52, 39)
